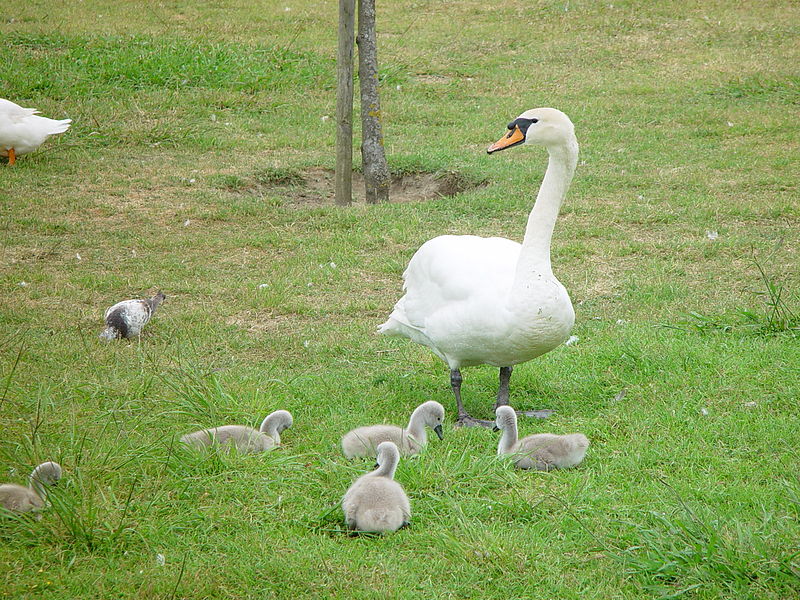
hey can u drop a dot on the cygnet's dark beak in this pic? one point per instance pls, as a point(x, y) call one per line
point(375, 466)
point(495, 428)
point(438, 430)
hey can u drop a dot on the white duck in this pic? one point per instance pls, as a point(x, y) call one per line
point(475, 300)
point(21, 131)
point(126, 319)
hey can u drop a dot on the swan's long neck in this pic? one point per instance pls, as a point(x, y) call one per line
point(270, 427)
point(274, 434)
point(509, 438)
point(416, 427)
point(38, 487)
point(388, 465)
point(534, 259)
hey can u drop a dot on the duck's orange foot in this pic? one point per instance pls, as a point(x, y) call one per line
point(12, 156)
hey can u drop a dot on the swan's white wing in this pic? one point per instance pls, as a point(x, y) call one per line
point(447, 273)
point(451, 269)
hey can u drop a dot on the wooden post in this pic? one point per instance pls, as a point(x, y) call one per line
point(373, 157)
point(344, 103)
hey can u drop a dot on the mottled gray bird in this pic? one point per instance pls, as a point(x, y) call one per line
point(126, 319)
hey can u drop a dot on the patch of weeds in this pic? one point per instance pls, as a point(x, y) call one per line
point(786, 90)
point(392, 74)
point(330, 522)
point(777, 316)
point(197, 395)
point(66, 66)
point(448, 182)
point(453, 182)
point(401, 166)
point(679, 553)
point(271, 176)
point(231, 183)
point(260, 180)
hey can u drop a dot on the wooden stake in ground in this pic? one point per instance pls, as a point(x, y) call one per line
point(376, 170)
point(344, 103)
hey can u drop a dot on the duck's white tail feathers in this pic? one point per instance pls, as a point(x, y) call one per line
point(54, 126)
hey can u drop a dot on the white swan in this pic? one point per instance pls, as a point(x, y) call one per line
point(475, 300)
point(23, 499)
point(21, 131)
point(126, 319)
point(245, 439)
point(364, 441)
point(376, 502)
point(541, 451)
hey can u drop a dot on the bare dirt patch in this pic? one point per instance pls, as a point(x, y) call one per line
point(315, 186)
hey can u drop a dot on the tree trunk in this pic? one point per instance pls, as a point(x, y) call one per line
point(376, 170)
point(344, 103)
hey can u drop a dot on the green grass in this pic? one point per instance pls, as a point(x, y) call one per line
point(193, 129)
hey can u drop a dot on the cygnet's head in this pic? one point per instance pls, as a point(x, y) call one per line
point(277, 422)
point(505, 417)
point(541, 126)
point(282, 419)
point(387, 454)
point(434, 416)
point(46, 474)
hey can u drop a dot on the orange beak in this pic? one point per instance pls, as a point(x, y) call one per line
point(512, 138)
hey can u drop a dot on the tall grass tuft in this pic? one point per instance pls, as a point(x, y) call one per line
point(777, 316)
point(698, 550)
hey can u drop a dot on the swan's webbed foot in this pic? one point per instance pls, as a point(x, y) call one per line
point(536, 414)
point(464, 420)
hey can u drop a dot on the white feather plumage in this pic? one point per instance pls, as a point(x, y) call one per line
point(23, 130)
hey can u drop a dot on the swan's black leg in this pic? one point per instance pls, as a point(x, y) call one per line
point(502, 390)
point(464, 420)
point(455, 383)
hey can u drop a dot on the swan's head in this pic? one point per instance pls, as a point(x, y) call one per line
point(505, 418)
point(542, 126)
